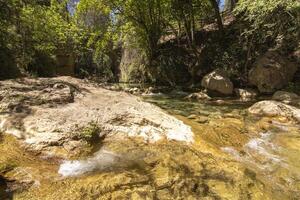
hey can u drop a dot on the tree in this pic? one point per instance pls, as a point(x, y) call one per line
point(96, 22)
point(146, 17)
point(9, 13)
point(216, 8)
point(270, 20)
point(45, 31)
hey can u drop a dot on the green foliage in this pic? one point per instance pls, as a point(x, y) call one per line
point(270, 20)
point(32, 33)
point(45, 32)
point(98, 36)
point(145, 18)
point(90, 133)
point(8, 38)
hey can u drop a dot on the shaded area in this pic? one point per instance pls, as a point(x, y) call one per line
point(3, 189)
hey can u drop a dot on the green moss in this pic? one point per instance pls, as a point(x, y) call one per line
point(89, 133)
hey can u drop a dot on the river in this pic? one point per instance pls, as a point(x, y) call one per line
point(234, 156)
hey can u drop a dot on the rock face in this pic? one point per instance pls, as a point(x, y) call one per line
point(246, 94)
point(272, 72)
point(275, 109)
point(46, 113)
point(217, 81)
point(132, 66)
point(286, 97)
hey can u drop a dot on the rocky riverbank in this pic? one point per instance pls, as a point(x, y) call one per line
point(64, 138)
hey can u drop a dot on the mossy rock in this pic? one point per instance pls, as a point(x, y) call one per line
point(90, 133)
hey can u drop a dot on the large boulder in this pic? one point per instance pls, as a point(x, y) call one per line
point(275, 109)
point(272, 72)
point(218, 81)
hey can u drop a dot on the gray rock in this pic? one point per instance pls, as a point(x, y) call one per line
point(198, 96)
point(246, 94)
point(275, 109)
point(218, 81)
point(202, 119)
point(286, 97)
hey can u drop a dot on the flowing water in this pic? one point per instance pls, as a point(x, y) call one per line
point(234, 156)
point(269, 147)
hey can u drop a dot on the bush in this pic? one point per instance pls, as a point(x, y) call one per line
point(271, 20)
point(90, 133)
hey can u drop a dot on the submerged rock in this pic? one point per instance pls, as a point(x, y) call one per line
point(218, 81)
point(272, 72)
point(49, 124)
point(275, 109)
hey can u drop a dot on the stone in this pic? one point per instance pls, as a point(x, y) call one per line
point(134, 90)
point(286, 97)
point(275, 109)
point(272, 72)
point(193, 116)
point(246, 94)
point(198, 96)
point(218, 81)
point(202, 119)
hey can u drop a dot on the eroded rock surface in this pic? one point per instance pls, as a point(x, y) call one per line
point(286, 97)
point(272, 72)
point(275, 109)
point(52, 113)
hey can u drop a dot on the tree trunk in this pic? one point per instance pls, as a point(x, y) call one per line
point(218, 16)
point(230, 5)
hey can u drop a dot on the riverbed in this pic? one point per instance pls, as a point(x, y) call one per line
point(234, 156)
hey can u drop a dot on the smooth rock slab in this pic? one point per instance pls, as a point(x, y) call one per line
point(46, 125)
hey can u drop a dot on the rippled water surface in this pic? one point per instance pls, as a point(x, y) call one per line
point(270, 147)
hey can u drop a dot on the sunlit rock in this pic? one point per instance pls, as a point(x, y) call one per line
point(218, 81)
point(246, 94)
point(54, 112)
point(275, 109)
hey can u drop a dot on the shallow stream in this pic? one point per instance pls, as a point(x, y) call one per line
point(234, 156)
